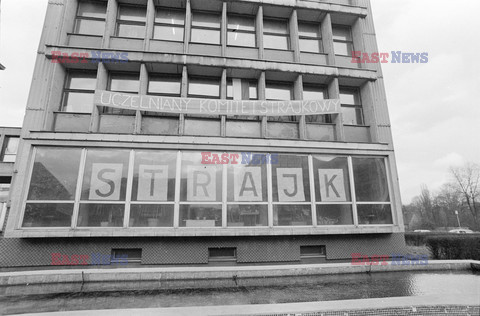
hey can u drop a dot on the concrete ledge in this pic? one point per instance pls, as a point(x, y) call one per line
point(410, 305)
point(212, 273)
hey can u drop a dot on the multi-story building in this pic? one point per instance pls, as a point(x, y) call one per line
point(189, 131)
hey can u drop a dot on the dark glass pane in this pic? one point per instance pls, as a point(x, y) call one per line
point(55, 173)
point(247, 215)
point(370, 177)
point(292, 215)
point(101, 215)
point(148, 215)
point(200, 215)
point(380, 214)
point(48, 215)
point(241, 23)
point(337, 214)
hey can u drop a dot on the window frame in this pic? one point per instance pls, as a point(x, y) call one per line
point(115, 111)
point(120, 22)
point(347, 42)
point(67, 89)
point(358, 107)
point(86, 18)
point(223, 204)
point(230, 30)
point(278, 34)
point(321, 118)
point(318, 38)
point(155, 23)
point(210, 28)
point(209, 78)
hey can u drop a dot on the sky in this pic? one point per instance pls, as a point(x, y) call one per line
point(434, 107)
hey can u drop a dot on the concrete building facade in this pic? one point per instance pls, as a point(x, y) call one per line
point(194, 131)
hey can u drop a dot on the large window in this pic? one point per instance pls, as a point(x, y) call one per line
point(373, 197)
point(169, 24)
point(206, 28)
point(126, 83)
point(131, 21)
point(53, 186)
point(110, 188)
point(310, 37)
point(291, 191)
point(315, 92)
point(342, 40)
point(279, 91)
point(165, 84)
point(78, 92)
point(276, 34)
point(90, 19)
point(241, 31)
point(10, 148)
point(351, 106)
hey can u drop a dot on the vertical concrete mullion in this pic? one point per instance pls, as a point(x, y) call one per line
point(261, 96)
point(102, 82)
point(334, 93)
point(128, 197)
point(142, 91)
point(352, 191)
point(149, 24)
point(327, 39)
point(294, 39)
point(223, 29)
point(78, 190)
point(223, 96)
point(111, 20)
point(184, 94)
point(188, 26)
point(368, 109)
point(298, 94)
point(259, 31)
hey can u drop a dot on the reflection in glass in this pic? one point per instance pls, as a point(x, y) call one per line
point(105, 177)
point(10, 148)
point(154, 176)
point(149, 215)
point(371, 176)
point(55, 173)
point(369, 214)
point(200, 215)
point(101, 215)
point(335, 214)
point(247, 215)
point(292, 215)
point(48, 215)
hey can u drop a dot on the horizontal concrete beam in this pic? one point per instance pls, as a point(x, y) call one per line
point(213, 273)
point(227, 62)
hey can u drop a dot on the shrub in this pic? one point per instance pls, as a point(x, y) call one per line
point(454, 246)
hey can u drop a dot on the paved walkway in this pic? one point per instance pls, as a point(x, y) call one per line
point(411, 305)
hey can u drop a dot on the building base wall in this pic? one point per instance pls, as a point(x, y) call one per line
point(17, 252)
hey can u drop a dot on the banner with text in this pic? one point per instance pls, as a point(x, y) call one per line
point(163, 104)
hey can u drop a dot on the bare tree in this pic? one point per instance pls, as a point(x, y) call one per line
point(467, 180)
